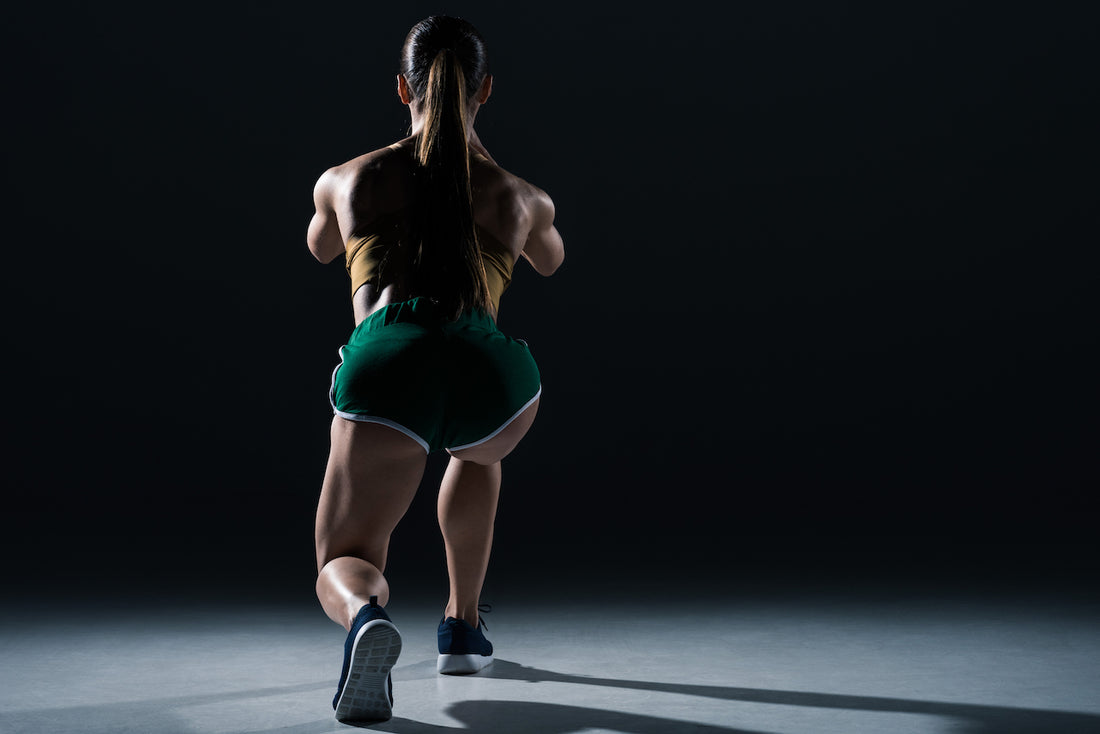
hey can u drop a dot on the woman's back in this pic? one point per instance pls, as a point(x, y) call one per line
point(374, 199)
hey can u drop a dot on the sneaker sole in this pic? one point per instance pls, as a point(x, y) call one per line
point(462, 664)
point(366, 693)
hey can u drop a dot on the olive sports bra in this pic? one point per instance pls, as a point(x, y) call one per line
point(366, 248)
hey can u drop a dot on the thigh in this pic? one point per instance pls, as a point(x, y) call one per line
point(372, 476)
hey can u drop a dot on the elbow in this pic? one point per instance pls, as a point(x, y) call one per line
point(549, 268)
point(323, 239)
point(315, 251)
point(324, 249)
point(545, 264)
point(547, 257)
point(319, 253)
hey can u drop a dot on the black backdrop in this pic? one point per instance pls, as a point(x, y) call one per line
point(829, 303)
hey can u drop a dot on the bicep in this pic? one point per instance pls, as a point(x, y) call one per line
point(323, 235)
point(544, 249)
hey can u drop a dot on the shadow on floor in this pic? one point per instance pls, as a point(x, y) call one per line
point(500, 717)
point(541, 718)
point(970, 718)
point(511, 717)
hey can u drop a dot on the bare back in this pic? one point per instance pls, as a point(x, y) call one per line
point(355, 194)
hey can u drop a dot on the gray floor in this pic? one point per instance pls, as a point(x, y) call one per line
point(780, 662)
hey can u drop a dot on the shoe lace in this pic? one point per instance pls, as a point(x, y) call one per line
point(483, 609)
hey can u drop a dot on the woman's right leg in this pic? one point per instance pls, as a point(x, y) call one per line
point(372, 476)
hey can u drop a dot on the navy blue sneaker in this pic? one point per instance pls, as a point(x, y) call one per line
point(463, 649)
point(365, 692)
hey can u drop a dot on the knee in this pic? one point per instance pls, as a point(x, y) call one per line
point(344, 577)
point(331, 554)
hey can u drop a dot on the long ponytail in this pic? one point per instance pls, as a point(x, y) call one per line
point(448, 262)
point(445, 62)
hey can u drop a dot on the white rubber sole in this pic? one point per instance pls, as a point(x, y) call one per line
point(462, 664)
point(366, 692)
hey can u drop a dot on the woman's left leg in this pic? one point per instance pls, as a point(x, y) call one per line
point(467, 508)
point(372, 476)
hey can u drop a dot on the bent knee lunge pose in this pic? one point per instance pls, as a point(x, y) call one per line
point(430, 228)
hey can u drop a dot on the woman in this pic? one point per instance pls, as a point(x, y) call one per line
point(430, 228)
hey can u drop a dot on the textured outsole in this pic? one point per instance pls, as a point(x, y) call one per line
point(366, 695)
point(462, 664)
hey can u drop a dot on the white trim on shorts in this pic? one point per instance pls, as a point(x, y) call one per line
point(359, 418)
point(506, 423)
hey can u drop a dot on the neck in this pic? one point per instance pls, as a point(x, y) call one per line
point(418, 123)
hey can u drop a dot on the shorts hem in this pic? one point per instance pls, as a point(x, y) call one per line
point(360, 418)
point(504, 425)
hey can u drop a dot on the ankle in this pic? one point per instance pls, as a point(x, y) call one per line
point(466, 612)
point(356, 606)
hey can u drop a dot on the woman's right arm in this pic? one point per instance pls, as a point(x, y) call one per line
point(323, 236)
point(544, 248)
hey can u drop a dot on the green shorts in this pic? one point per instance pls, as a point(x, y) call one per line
point(445, 384)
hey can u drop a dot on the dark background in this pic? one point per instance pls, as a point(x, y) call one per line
point(829, 307)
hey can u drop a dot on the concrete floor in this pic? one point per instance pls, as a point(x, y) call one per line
point(765, 662)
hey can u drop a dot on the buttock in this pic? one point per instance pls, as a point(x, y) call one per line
point(446, 384)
